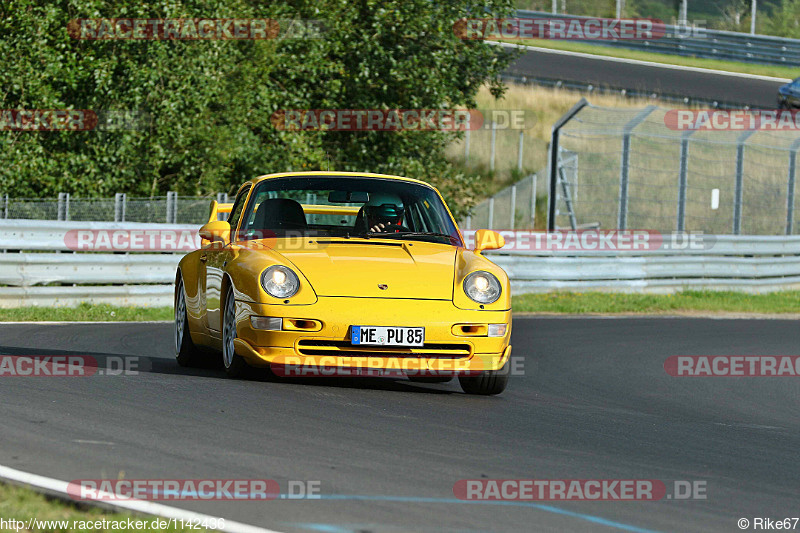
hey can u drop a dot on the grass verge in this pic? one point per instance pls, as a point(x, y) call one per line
point(687, 301)
point(784, 302)
point(24, 504)
point(85, 313)
point(715, 64)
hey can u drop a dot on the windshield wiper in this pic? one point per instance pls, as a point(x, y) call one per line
point(413, 234)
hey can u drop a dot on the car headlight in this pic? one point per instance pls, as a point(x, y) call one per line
point(482, 287)
point(280, 281)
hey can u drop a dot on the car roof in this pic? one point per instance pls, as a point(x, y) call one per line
point(333, 173)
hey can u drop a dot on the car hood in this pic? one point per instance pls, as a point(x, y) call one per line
point(377, 268)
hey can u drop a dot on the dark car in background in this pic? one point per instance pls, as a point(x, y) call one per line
point(789, 95)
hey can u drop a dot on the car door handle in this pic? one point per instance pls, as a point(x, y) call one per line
point(203, 258)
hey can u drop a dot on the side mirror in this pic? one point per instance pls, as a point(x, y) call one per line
point(486, 239)
point(216, 231)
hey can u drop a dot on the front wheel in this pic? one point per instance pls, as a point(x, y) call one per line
point(486, 383)
point(186, 352)
point(234, 365)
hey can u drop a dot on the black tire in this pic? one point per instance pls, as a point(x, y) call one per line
point(486, 383)
point(235, 365)
point(431, 379)
point(186, 353)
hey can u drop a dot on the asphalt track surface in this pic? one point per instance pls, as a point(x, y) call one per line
point(594, 403)
point(601, 72)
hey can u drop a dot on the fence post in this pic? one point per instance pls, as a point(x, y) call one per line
point(513, 205)
point(172, 204)
point(494, 138)
point(469, 222)
point(63, 206)
point(5, 208)
point(622, 220)
point(533, 202)
point(466, 146)
point(491, 213)
point(552, 160)
point(519, 151)
point(120, 201)
point(791, 187)
point(739, 190)
point(683, 179)
point(222, 198)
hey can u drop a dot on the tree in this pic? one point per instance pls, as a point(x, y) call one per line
point(208, 103)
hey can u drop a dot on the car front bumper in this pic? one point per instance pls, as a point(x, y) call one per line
point(455, 339)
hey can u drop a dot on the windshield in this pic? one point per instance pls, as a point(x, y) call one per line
point(335, 206)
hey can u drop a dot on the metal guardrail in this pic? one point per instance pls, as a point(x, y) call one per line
point(745, 263)
point(705, 43)
point(49, 235)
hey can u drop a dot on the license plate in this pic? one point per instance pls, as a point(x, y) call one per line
point(386, 336)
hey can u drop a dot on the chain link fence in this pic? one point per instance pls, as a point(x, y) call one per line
point(170, 209)
point(639, 169)
point(512, 208)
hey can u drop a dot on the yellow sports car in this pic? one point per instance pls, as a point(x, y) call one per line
point(341, 273)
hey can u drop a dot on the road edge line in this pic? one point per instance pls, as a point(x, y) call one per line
point(58, 488)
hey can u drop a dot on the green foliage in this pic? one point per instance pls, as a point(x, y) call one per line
point(208, 103)
point(786, 21)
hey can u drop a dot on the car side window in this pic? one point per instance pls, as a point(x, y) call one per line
point(236, 211)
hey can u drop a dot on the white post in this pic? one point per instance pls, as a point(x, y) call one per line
point(619, 9)
point(494, 141)
point(753, 12)
point(683, 16)
point(555, 7)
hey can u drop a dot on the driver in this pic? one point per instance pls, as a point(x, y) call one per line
point(384, 213)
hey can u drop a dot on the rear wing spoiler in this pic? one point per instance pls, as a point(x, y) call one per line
point(218, 209)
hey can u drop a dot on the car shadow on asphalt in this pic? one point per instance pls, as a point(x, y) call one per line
point(102, 364)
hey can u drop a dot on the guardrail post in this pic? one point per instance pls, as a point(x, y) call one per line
point(513, 205)
point(491, 213)
point(791, 186)
point(120, 204)
point(63, 206)
point(469, 222)
point(552, 160)
point(5, 207)
point(622, 220)
point(466, 146)
point(494, 139)
point(739, 188)
point(172, 205)
point(222, 198)
point(519, 150)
